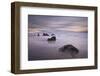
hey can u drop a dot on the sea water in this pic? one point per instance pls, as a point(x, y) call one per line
point(39, 48)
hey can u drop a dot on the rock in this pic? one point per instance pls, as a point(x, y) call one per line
point(38, 34)
point(52, 38)
point(45, 34)
point(71, 49)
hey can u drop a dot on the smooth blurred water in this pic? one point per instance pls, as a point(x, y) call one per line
point(41, 49)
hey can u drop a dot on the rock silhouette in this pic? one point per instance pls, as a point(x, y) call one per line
point(69, 48)
point(45, 34)
point(38, 34)
point(53, 38)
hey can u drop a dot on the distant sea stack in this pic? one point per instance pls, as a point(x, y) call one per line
point(45, 34)
point(69, 48)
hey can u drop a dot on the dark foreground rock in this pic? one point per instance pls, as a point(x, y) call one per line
point(69, 48)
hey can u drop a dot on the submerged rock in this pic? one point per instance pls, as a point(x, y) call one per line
point(69, 48)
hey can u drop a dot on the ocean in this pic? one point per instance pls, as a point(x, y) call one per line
point(39, 48)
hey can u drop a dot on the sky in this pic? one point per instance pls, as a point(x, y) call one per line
point(62, 23)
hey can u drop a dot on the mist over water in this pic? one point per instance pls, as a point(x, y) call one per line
point(41, 49)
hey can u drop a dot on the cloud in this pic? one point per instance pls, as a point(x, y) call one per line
point(68, 23)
